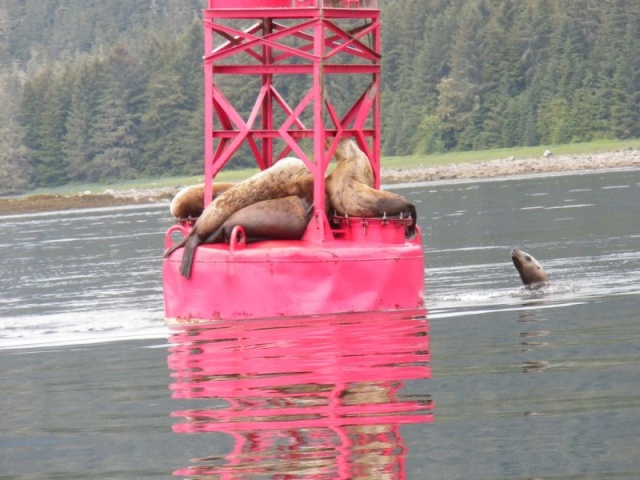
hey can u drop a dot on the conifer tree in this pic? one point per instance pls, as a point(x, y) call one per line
point(15, 174)
point(45, 102)
point(86, 86)
point(116, 134)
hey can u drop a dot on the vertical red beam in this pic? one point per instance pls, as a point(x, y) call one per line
point(208, 117)
point(267, 103)
point(377, 114)
point(318, 126)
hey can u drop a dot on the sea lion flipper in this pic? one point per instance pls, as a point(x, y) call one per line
point(411, 229)
point(217, 236)
point(187, 256)
point(176, 246)
point(189, 242)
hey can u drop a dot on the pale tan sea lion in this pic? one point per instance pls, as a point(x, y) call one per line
point(350, 188)
point(189, 202)
point(531, 272)
point(277, 219)
point(287, 177)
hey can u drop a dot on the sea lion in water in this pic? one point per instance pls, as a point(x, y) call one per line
point(289, 176)
point(189, 202)
point(531, 272)
point(350, 188)
point(277, 219)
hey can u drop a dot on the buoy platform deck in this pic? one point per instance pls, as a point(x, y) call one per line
point(369, 266)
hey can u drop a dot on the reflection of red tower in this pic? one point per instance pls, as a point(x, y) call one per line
point(320, 396)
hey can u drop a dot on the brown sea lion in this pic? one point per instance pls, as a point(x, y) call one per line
point(531, 272)
point(350, 188)
point(189, 202)
point(287, 177)
point(278, 219)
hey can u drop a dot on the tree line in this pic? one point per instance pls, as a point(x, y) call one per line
point(476, 74)
point(100, 91)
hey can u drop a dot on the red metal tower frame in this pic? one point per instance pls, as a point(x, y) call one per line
point(291, 37)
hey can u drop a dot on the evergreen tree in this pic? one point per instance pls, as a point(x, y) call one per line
point(116, 134)
point(15, 170)
point(461, 93)
point(115, 140)
point(402, 37)
point(15, 174)
point(86, 86)
point(625, 110)
point(165, 126)
point(172, 119)
point(44, 108)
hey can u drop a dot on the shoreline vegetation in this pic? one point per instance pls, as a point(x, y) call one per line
point(625, 157)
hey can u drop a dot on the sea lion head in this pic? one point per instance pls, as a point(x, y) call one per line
point(531, 272)
point(189, 202)
point(352, 166)
point(347, 148)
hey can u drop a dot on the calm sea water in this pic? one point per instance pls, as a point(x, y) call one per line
point(492, 382)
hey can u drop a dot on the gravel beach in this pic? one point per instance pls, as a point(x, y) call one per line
point(512, 166)
point(549, 163)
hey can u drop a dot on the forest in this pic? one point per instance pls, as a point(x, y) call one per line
point(102, 91)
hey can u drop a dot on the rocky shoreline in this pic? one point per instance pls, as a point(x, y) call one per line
point(511, 166)
point(548, 163)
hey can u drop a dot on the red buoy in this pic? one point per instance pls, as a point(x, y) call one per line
point(349, 265)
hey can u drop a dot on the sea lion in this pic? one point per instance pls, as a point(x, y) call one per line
point(189, 202)
point(350, 188)
point(289, 176)
point(277, 219)
point(531, 272)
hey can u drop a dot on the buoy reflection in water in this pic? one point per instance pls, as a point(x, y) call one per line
point(316, 396)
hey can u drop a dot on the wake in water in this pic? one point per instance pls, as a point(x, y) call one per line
point(80, 328)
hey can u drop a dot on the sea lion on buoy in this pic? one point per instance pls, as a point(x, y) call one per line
point(277, 219)
point(531, 272)
point(289, 176)
point(189, 202)
point(350, 188)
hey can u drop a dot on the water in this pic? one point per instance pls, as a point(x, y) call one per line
point(81, 276)
point(525, 384)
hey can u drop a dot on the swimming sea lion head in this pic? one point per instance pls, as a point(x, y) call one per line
point(530, 270)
